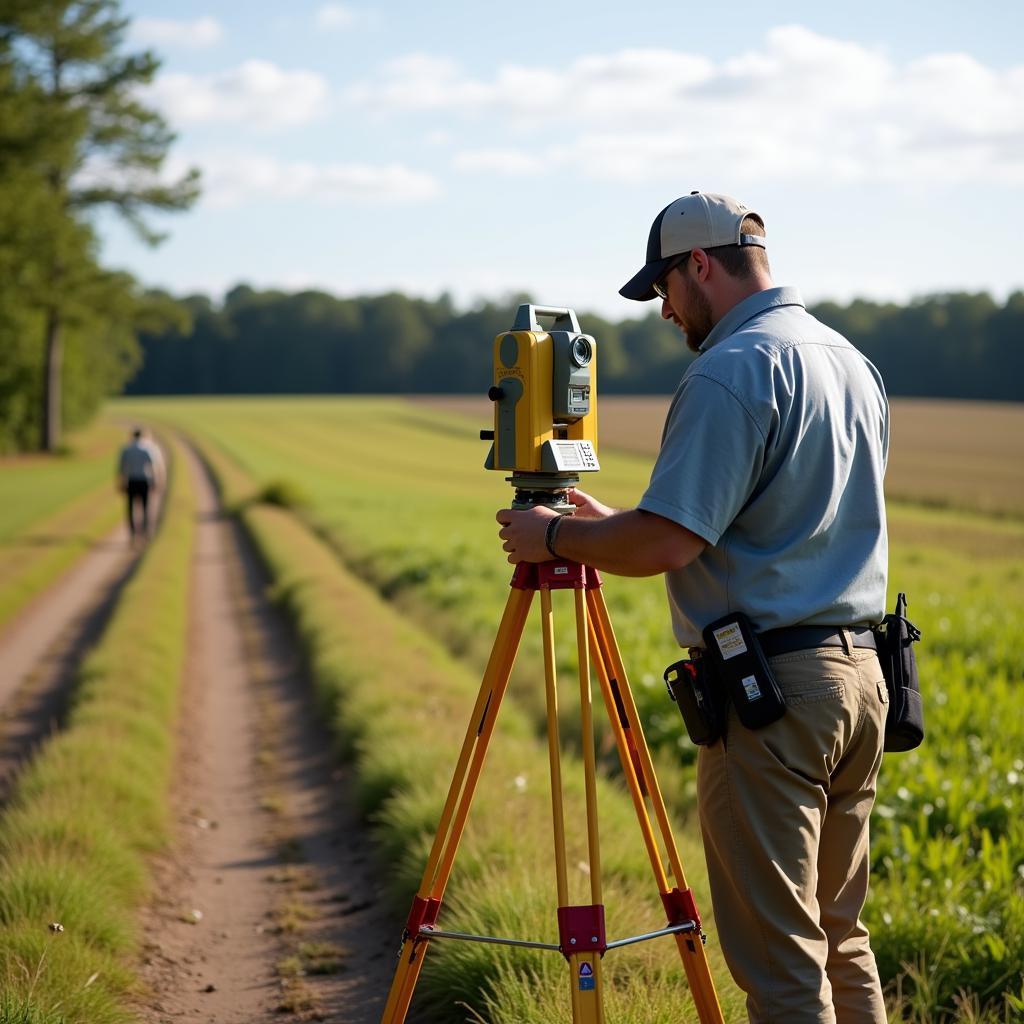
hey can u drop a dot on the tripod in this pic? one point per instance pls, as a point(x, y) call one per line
point(582, 939)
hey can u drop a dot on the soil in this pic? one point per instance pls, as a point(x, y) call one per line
point(271, 881)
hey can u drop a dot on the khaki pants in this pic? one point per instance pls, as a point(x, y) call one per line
point(784, 813)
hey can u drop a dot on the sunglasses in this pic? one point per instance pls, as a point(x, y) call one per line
point(659, 286)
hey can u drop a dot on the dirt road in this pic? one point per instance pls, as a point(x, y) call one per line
point(42, 646)
point(268, 903)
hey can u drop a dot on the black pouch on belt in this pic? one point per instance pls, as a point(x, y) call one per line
point(895, 638)
point(740, 663)
point(699, 699)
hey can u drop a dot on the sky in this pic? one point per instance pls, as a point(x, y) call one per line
point(486, 149)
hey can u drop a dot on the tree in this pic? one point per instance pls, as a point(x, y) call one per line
point(83, 140)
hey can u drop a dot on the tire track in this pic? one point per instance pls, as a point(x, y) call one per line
point(270, 850)
point(42, 647)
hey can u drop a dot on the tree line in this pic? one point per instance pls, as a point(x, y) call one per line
point(956, 345)
point(74, 139)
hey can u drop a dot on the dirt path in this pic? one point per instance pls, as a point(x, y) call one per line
point(43, 645)
point(268, 902)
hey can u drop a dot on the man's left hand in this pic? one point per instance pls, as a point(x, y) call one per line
point(523, 533)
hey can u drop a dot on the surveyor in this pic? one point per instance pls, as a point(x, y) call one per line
point(765, 499)
point(140, 471)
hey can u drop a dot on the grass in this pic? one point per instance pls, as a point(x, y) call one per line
point(360, 652)
point(397, 491)
point(53, 509)
point(92, 804)
point(363, 657)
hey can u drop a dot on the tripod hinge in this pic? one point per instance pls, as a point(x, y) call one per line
point(680, 906)
point(423, 914)
point(581, 930)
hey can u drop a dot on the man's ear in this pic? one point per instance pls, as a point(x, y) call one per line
point(702, 261)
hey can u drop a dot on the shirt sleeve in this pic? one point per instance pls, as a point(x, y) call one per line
point(710, 460)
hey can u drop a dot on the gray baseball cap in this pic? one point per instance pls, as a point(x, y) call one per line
point(700, 220)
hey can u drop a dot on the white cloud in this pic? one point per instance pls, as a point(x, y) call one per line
point(257, 93)
point(232, 179)
point(335, 16)
point(798, 106)
point(170, 32)
point(504, 161)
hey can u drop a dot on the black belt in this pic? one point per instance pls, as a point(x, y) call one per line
point(799, 638)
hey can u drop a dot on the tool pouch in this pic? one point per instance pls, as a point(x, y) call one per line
point(895, 638)
point(699, 699)
point(740, 663)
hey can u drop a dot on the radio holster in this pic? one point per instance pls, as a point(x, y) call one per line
point(701, 701)
point(895, 639)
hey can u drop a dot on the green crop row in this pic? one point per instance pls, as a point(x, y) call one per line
point(92, 804)
point(399, 491)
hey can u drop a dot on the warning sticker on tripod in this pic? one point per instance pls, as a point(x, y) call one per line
point(730, 640)
point(587, 979)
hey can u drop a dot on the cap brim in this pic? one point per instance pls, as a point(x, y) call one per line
point(641, 286)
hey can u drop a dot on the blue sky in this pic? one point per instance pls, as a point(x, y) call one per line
point(482, 149)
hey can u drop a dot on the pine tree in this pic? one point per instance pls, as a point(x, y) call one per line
point(81, 139)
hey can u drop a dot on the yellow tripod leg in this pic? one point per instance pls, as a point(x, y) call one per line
point(585, 989)
point(457, 804)
point(640, 775)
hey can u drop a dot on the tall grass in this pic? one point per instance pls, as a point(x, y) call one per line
point(399, 704)
point(93, 803)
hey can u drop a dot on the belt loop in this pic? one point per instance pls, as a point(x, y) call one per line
point(847, 639)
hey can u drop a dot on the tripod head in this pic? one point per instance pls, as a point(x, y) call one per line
point(545, 406)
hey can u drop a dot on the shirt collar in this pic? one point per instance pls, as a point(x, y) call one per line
point(743, 311)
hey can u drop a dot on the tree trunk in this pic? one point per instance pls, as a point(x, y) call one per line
point(52, 381)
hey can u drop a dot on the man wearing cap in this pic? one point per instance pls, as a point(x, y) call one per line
point(766, 498)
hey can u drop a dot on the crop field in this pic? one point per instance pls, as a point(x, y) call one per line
point(398, 493)
point(947, 454)
point(375, 521)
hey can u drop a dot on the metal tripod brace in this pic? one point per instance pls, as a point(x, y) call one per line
point(581, 928)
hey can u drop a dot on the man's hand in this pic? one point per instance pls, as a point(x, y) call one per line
point(588, 507)
point(523, 533)
point(626, 542)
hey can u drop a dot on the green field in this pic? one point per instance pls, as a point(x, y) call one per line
point(399, 494)
point(52, 508)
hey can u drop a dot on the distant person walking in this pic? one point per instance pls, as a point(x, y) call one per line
point(140, 470)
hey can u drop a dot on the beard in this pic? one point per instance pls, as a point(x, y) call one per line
point(698, 322)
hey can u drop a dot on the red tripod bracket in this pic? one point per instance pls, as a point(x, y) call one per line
point(423, 914)
point(680, 906)
point(581, 930)
point(554, 575)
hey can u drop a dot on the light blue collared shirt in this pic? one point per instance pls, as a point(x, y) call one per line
point(773, 451)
